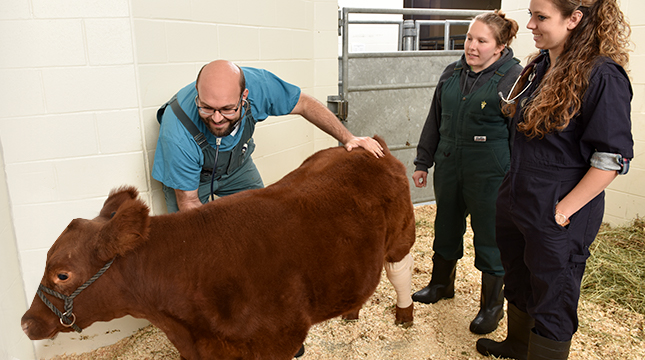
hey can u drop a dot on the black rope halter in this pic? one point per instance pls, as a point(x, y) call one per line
point(67, 318)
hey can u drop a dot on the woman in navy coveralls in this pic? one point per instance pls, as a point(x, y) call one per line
point(571, 110)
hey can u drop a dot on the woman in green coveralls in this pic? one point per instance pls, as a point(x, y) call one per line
point(466, 137)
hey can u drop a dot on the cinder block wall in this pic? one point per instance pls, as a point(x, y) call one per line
point(80, 82)
point(13, 344)
point(625, 197)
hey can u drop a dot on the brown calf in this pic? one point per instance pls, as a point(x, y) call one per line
point(243, 277)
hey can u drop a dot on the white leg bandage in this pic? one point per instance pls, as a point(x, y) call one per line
point(400, 275)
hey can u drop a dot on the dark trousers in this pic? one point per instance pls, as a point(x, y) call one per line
point(544, 262)
point(466, 180)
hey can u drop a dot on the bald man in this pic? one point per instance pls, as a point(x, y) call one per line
point(206, 134)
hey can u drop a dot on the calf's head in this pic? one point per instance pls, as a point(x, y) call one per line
point(71, 288)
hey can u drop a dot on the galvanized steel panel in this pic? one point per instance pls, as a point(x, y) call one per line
point(390, 96)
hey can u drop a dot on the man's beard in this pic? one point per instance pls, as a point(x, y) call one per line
point(221, 132)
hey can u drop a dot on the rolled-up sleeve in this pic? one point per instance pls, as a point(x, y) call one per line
point(607, 113)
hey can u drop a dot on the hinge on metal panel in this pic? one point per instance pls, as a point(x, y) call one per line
point(340, 22)
point(338, 106)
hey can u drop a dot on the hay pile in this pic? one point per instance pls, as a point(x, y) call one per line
point(440, 331)
point(616, 268)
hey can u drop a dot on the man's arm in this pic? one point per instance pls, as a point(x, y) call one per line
point(187, 199)
point(316, 113)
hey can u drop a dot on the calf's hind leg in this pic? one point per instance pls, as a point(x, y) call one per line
point(352, 314)
point(400, 275)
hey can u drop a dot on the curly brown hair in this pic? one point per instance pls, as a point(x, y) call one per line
point(602, 32)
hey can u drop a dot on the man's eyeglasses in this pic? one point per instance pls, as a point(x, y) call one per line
point(208, 111)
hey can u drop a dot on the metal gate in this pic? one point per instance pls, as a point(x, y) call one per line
point(389, 93)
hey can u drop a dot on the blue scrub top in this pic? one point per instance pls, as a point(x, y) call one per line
point(179, 159)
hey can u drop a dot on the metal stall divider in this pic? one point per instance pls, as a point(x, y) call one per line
point(389, 93)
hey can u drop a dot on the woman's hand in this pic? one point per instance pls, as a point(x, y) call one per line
point(420, 178)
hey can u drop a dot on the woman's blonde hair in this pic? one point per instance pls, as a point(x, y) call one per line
point(602, 31)
point(505, 29)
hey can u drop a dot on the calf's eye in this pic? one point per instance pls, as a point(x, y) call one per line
point(62, 277)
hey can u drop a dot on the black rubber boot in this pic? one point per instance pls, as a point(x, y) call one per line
point(516, 344)
point(491, 305)
point(442, 283)
point(300, 352)
point(541, 348)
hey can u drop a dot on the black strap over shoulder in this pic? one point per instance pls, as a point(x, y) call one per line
point(507, 66)
point(188, 124)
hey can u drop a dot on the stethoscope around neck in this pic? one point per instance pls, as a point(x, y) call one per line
point(512, 101)
point(218, 141)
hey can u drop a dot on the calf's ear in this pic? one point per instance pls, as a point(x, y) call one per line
point(127, 228)
point(117, 197)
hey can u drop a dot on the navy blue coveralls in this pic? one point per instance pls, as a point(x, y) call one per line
point(544, 262)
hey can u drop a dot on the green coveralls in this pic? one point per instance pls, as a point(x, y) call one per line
point(472, 157)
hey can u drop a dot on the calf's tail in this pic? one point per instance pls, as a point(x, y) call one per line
point(380, 140)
